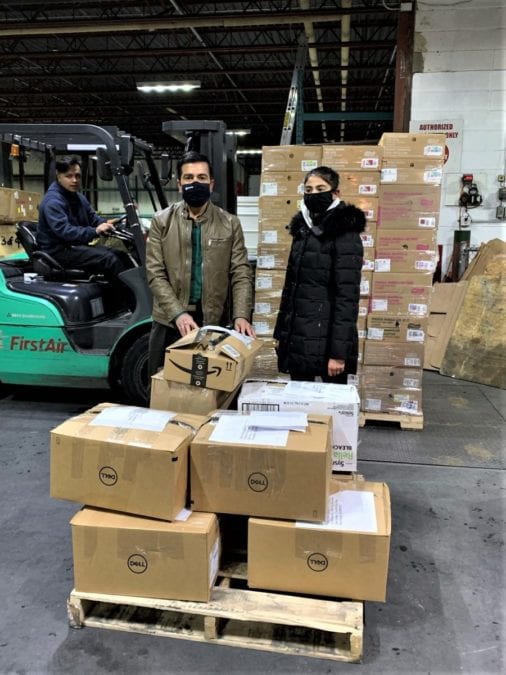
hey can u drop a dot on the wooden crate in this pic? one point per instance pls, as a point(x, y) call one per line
point(235, 617)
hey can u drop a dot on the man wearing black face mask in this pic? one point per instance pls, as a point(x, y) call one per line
point(194, 250)
point(316, 328)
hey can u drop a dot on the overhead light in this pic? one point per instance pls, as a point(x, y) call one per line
point(238, 132)
point(161, 87)
point(246, 151)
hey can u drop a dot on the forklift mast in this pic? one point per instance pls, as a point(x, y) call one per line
point(210, 138)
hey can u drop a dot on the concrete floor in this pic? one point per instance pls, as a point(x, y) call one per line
point(446, 581)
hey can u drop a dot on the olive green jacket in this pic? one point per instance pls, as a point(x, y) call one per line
point(224, 262)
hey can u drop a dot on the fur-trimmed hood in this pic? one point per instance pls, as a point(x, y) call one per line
point(344, 218)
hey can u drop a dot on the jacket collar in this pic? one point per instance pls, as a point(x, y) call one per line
point(343, 218)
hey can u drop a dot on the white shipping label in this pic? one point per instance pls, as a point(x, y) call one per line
point(368, 265)
point(369, 214)
point(308, 164)
point(417, 309)
point(263, 307)
point(214, 561)
point(379, 305)
point(348, 511)
point(412, 362)
point(426, 221)
point(413, 335)
point(269, 189)
point(263, 283)
point(362, 311)
point(408, 406)
point(266, 261)
point(131, 417)
point(367, 240)
point(433, 151)
point(373, 404)
point(269, 237)
point(425, 265)
point(388, 175)
point(364, 287)
point(367, 189)
point(375, 333)
point(411, 383)
point(362, 334)
point(433, 176)
point(382, 265)
point(261, 327)
point(369, 163)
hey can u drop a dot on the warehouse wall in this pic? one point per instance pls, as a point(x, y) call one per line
point(460, 81)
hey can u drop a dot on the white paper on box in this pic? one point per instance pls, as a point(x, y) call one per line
point(132, 417)
point(269, 237)
point(263, 283)
point(235, 429)
point(349, 511)
point(291, 421)
point(340, 401)
point(214, 559)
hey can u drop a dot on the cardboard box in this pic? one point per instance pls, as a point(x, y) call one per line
point(403, 260)
point(369, 235)
point(264, 324)
point(401, 294)
point(18, 204)
point(369, 205)
point(246, 477)
point(444, 310)
point(352, 157)
point(336, 559)
point(368, 259)
point(339, 401)
point(409, 206)
point(124, 458)
point(358, 184)
point(117, 554)
point(412, 171)
point(391, 377)
point(266, 361)
point(278, 210)
point(400, 354)
point(363, 307)
point(274, 233)
point(396, 328)
point(291, 157)
point(396, 400)
point(211, 357)
point(267, 302)
point(399, 144)
point(365, 284)
point(186, 398)
point(281, 183)
point(269, 280)
point(405, 240)
point(272, 256)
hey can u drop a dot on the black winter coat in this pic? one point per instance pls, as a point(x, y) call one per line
point(317, 318)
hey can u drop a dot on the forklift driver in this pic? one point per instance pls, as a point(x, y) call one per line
point(68, 223)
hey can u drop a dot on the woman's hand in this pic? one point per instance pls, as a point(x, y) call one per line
point(335, 367)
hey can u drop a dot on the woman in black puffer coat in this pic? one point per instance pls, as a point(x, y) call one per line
point(316, 328)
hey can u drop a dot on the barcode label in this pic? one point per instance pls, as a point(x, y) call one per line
point(263, 307)
point(433, 151)
point(369, 163)
point(411, 383)
point(427, 222)
point(414, 335)
point(427, 265)
point(379, 305)
point(263, 283)
point(417, 309)
point(388, 175)
point(375, 333)
point(373, 404)
point(269, 237)
point(367, 189)
point(412, 361)
point(382, 265)
point(266, 261)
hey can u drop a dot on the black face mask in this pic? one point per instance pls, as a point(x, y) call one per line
point(318, 202)
point(196, 194)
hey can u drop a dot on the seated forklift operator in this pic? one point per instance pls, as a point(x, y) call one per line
point(68, 223)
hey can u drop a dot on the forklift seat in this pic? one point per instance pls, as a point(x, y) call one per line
point(43, 263)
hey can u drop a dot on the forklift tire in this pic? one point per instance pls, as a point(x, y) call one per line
point(134, 372)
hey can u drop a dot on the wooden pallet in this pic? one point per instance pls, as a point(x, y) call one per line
point(274, 622)
point(411, 422)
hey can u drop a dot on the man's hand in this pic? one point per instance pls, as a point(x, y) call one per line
point(335, 367)
point(244, 327)
point(105, 228)
point(185, 324)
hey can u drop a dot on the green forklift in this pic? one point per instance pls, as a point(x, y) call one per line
point(62, 328)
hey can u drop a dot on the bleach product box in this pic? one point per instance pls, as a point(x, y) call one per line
point(340, 401)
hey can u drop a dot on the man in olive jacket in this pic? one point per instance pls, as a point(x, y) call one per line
point(195, 251)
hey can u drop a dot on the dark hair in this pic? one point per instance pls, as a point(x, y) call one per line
point(63, 165)
point(329, 176)
point(191, 157)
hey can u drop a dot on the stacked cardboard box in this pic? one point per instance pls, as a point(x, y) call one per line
point(311, 528)
point(15, 205)
point(203, 371)
point(129, 467)
point(281, 191)
point(404, 263)
point(359, 167)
